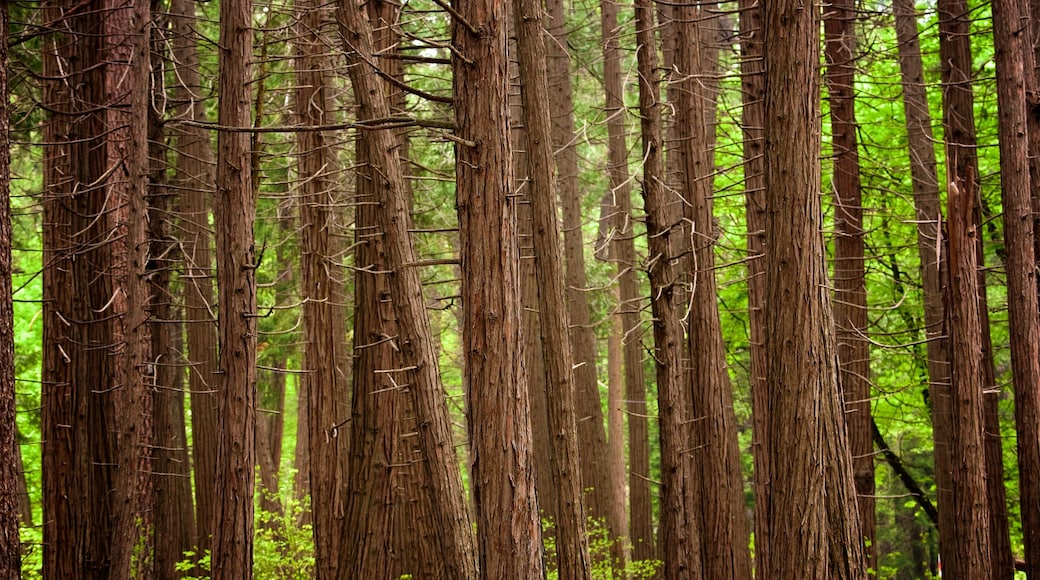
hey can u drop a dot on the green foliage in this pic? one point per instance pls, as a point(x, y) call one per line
point(603, 567)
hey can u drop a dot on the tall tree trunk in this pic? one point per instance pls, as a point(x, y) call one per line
point(962, 161)
point(195, 178)
point(499, 421)
point(323, 310)
point(174, 518)
point(572, 550)
point(446, 512)
point(1016, 75)
point(724, 536)
point(680, 533)
point(753, 97)
point(596, 476)
point(10, 545)
point(850, 293)
point(810, 465)
point(234, 214)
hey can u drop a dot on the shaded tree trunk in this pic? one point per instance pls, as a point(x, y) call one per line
point(499, 420)
point(753, 96)
point(10, 472)
point(719, 484)
point(680, 532)
point(850, 284)
point(812, 487)
point(233, 216)
point(446, 516)
point(195, 178)
point(1015, 76)
point(572, 550)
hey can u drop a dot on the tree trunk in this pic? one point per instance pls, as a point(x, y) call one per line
point(810, 465)
point(499, 422)
point(234, 213)
point(753, 96)
point(446, 513)
point(323, 312)
point(724, 536)
point(10, 546)
point(572, 550)
point(597, 480)
point(1015, 73)
point(680, 533)
point(195, 178)
point(850, 293)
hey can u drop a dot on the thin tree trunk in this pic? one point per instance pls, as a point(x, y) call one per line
point(1015, 75)
point(572, 550)
point(447, 516)
point(499, 421)
point(850, 294)
point(680, 533)
point(810, 465)
point(234, 213)
point(753, 95)
point(10, 545)
point(719, 485)
point(195, 178)
point(596, 476)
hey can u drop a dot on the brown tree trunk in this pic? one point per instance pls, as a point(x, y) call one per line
point(195, 178)
point(1015, 75)
point(719, 492)
point(234, 213)
point(10, 546)
point(499, 421)
point(680, 533)
point(596, 476)
point(959, 124)
point(753, 96)
point(322, 292)
point(810, 465)
point(446, 512)
point(850, 285)
point(572, 550)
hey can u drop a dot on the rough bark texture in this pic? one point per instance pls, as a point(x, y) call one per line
point(962, 162)
point(499, 424)
point(810, 464)
point(194, 178)
point(572, 550)
point(967, 552)
point(850, 285)
point(1015, 73)
point(233, 216)
point(679, 532)
point(446, 511)
point(322, 292)
point(719, 487)
point(10, 546)
point(753, 95)
point(597, 479)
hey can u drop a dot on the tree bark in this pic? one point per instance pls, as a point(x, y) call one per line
point(680, 532)
point(10, 545)
point(850, 284)
point(753, 95)
point(810, 465)
point(572, 550)
point(234, 214)
point(1015, 75)
point(499, 422)
point(194, 178)
point(446, 513)
point(724, 536)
